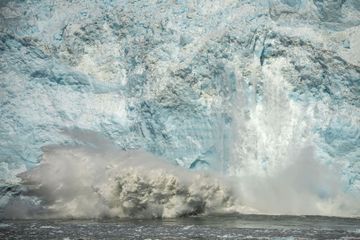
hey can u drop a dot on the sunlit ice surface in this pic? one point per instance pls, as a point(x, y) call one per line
point(180, 109)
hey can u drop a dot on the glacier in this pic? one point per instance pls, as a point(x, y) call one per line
point(262, 91)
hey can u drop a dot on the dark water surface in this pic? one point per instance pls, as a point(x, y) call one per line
point(210, 227)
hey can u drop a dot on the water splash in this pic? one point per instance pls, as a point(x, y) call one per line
point(97, 179)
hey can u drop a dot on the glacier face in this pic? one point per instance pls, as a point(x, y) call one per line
point(240, 87)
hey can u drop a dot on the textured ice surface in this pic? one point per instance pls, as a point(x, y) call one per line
point(241, 87)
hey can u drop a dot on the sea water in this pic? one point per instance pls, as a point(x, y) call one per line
point(209, 227)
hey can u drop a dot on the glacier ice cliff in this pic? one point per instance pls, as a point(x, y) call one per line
point(248, 89)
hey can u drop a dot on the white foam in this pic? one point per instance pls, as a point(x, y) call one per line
point(102, 181)
point(99, 180)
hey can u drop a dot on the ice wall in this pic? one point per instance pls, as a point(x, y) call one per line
point(241, 87)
